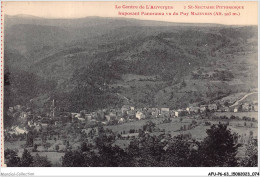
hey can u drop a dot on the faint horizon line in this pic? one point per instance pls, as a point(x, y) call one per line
point(125, 18)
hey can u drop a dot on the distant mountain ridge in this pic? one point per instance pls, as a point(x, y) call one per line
point(24, 18)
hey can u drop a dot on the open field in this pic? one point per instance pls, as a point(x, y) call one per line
point(14, 144)
point(132, 125)
point(122, 143)
point(198, 132)
point(54, 157)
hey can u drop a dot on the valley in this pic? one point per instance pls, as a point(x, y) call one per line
point(120, 90)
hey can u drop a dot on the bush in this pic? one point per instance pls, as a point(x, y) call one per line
point(12, 159)
point(40, 161)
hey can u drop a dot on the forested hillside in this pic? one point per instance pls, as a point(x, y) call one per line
point(94, 63)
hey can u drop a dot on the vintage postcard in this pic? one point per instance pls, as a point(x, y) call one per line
point(129, 84)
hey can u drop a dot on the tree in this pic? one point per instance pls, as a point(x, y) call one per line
point(57, 147)
point(219, 147)
point(68, 145)
point(12, 160)
point(184, 127)
point(145, 152)
point(27, 159)
point(183, 84)
point(113, 156)
point(35, 148)
point(149, 126)
point(251, 157)
point(73, 159)
point(251, 133)
point(226, 104)
point(29, 139)
point(181, 152)
point(84, 147)
point(40, 161)
point(125, 114)
point(82, 114)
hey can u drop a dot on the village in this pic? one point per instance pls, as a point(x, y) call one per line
point(115, 116)
point(127, 113)
point(101, 91)
point(57, 131)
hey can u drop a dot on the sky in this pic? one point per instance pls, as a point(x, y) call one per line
point(67, 9)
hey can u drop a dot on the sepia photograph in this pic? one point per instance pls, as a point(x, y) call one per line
point(130, 84)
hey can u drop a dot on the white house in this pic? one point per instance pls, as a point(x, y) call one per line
point(203, 108)
point(139, 115)
point(88, 117)
point(165, 111)
point(108, 118)
point(192, 109)
point(121, 120)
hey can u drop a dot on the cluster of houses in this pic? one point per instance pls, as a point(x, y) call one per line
point(243, 107)
point(247, 107)
point(129, 113)
point(121, 115)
